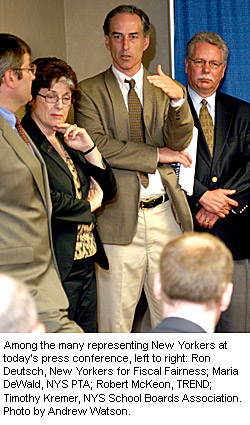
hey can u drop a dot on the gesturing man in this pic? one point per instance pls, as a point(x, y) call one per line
point(139, 123)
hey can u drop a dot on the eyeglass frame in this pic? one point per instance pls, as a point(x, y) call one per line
point(31, 69)
point(55, 96)
point(203, 62)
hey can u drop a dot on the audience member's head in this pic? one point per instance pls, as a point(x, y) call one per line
point(195, 275)
point(17, 308)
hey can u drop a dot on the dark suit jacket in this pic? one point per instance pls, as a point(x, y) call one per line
point(229, 169)
point(102, 111)
point(177, 325)
point(68, 211)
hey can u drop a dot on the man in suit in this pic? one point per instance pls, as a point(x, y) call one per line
point(17, 308)
point(25, 205)
point(194, 283)
point(139, 221)
point(220, 202)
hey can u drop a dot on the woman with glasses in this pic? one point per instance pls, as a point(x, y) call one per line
point(80, 180)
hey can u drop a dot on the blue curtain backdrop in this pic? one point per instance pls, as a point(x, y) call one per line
point(231, 20)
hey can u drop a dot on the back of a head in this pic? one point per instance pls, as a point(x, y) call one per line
point(17, 307)
point(195, 267)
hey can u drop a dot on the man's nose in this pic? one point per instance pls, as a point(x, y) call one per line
point(206, 67)
point(125, 43)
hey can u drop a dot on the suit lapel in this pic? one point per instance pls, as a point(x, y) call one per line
point(223, 118)
point(52, 153)
point(149, 96)
point(118, 106)
point(29, 158)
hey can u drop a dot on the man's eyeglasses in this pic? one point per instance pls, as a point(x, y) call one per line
point(201, 62)
point(54, 98)
point(32, 69)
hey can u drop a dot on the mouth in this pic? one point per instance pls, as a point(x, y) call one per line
point(56, 115)
point(125, 56)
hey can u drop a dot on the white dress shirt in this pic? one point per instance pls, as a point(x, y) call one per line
point(196, 99)
point(155, 187)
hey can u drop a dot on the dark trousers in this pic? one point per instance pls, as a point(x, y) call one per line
point(80, 287)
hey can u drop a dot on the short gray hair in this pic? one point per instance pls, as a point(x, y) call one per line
point(195, 267)
point(17, 307)
point(207, 37)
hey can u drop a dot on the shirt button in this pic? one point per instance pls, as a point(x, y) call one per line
point(214, 179)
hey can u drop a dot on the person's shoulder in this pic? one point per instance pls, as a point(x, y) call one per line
point(95, 80)
point(234, 102)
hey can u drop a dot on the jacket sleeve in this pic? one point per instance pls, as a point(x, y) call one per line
point(68, 208)
point(105, 178)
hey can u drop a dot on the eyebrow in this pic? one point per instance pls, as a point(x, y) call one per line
point(55, 92)
point(120, 33)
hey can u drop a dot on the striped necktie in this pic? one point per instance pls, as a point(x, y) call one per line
point(136, 122)
point(21, 132)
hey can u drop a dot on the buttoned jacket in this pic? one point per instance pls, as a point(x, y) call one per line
point(228, 169)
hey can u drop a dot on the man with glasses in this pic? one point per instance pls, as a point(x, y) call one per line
point(26, 251)
point(221, 198)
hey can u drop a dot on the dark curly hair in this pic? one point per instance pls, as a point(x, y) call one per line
point(50, 71)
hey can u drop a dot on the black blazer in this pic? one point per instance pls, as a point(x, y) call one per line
point(229, 169)
point(177, 325)
point(68, 211)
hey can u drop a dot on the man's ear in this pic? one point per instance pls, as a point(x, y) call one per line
point(107, 42)
point(146, 42)
point(157, 286)
point(10, 78)
point(226, 297)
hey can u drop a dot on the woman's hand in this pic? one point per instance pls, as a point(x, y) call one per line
point(75, 137)
point(95, 195)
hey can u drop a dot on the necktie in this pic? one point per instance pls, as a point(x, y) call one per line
point(136, 122)
point(207, 126)
point(21, 132)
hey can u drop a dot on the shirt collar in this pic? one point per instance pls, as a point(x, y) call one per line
point(121, 77)
point(196, 98)
point(9, 116)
